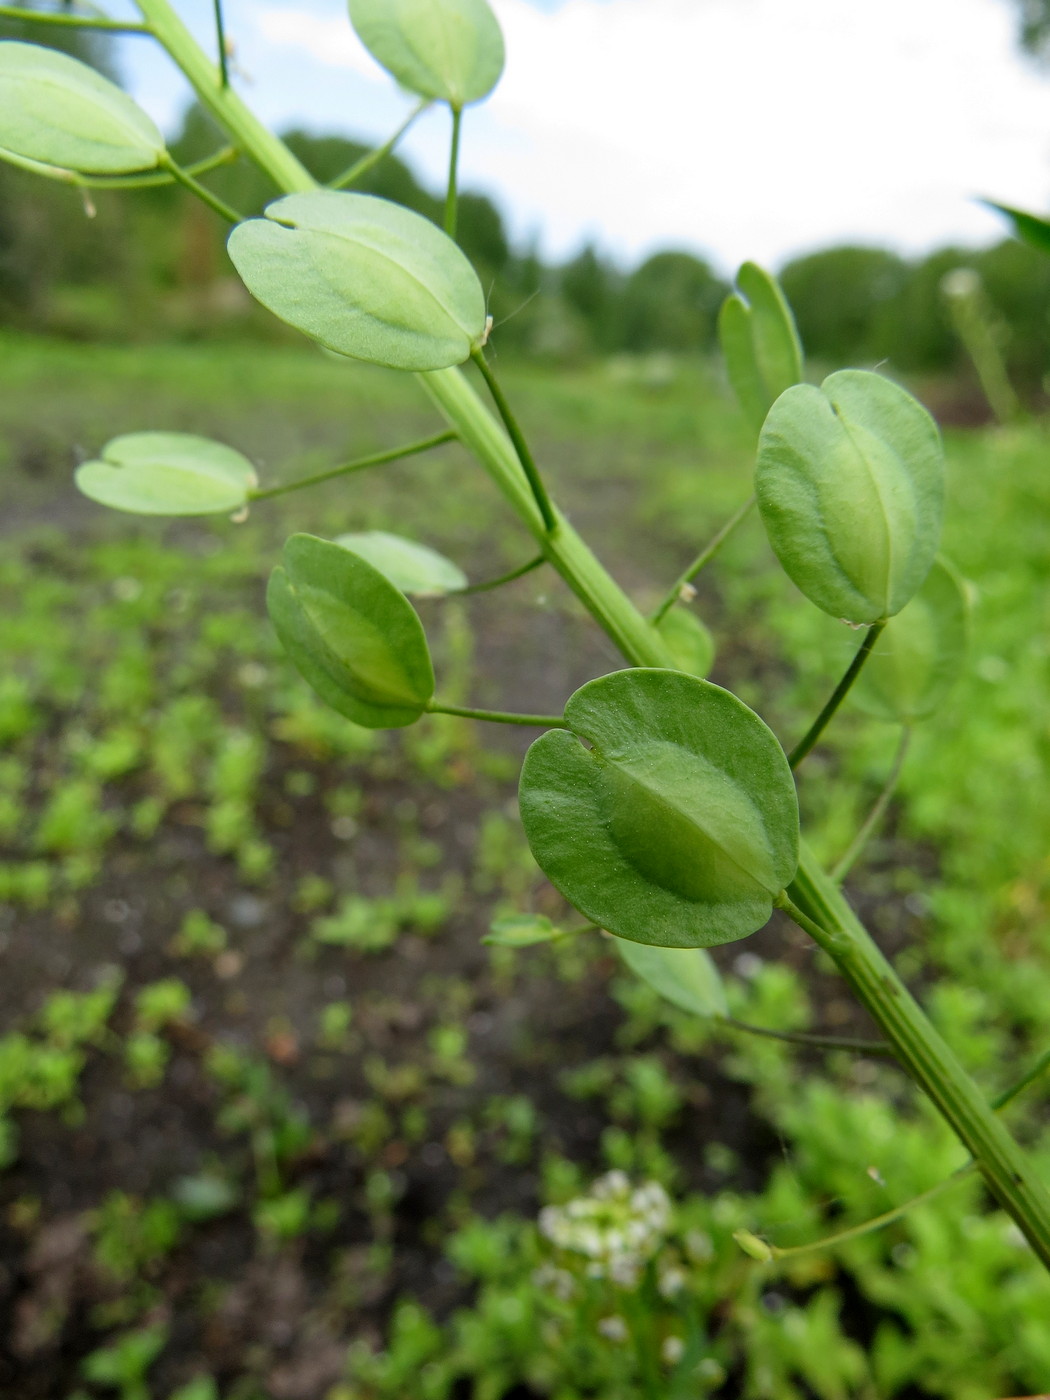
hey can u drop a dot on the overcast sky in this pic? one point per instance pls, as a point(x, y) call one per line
point(736, 128)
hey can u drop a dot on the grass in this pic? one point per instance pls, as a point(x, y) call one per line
point(292, 1121)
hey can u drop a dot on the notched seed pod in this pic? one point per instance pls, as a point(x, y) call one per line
point(666, 813)
point(759, 340)
point(58, 112)
point(451, 50)
point(364, 277)
point(168, 474)
point(351, 634)
point(850, 486)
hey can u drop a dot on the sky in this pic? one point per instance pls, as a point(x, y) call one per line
point(733, 128)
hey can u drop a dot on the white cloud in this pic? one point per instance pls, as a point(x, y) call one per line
point(749, 128)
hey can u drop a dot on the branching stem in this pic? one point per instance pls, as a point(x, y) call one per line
point(377, 459)
point(367, 162)
point(491, 583)
point(73, 21)
point(879, 1048)
point(702, 560)
point(499, 716)
point(205, 195)
point(845, 862)
point(452, 197)
point(839, 694)
point(220, 41)
point(517, 437)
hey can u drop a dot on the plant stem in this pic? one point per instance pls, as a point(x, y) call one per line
point(143, 182)
point(249, 134)
point(211, 200)
point(880, 1048)
point(701, 561)
point(112, 26)
point(888, 1217)
point(839, 694)
point(1005, 1167)
point(517, 437)
point(220, 41)
point(452, 197)
point(377, 459)
point(499, 716)
point(845, 862)
point(823, 913)
point(491, 583)
point(366, 163)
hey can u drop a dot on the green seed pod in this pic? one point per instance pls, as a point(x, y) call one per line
point(850, 486)
point(365, 277)
point(760, 343)
point(666, 812)
point(57, 111)
point(351, 634)
point(168, 474)
point(451, 50)
point(920, 653)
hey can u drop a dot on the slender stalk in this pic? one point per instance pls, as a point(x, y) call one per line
point(499, 716)
point(145, 182)
point(818, 907)
point(361, 167)
point(249, 134)
point(205, 195)
point(517, 437)
point(701, 561)
point(491, 583)
point(220, 43)
point(888, 1217)
point(377, 459)
point(845, 862)
point(452, 197)
point(880, 1048)
point(1005, 1167)
point(71, 21)
point(839, 694)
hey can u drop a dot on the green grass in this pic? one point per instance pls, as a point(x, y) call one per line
point(151, 732)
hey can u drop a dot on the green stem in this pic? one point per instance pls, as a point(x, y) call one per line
point(839, 694)
point(144, 182)
point(1005, 1167)
point(880, 1048)
point(220, 42)
point(111, 26)
point(517, 437)
point(211, 200)
point(249, 134)
point(499, 716)
point(491, 583)
point(817, 906)
point(377, 459)
point(366, 163)
point(845, 862)
point(701, 561)
point(888, 1217)
point(452, 197)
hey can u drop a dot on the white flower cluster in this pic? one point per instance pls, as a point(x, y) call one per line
point(617, 1227)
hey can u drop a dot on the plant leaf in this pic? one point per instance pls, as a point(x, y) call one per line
point(760, 343)
point(678, 825)
point(521, 931)
point(451, 50)
point(365, 277)
point(168, 474)
point(414, 568)
point(687, 977)
point(351, 634)
point(920, 653)
point(56, 110)
point(1030, 228)
point(690, 643)
point(850, 486)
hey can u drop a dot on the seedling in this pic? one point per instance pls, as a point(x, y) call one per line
point(659, 804)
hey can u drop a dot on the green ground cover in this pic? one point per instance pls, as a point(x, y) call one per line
point(277, 1124)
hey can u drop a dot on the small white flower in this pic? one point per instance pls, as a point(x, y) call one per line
point(672, 1351)
point(613, 1328)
